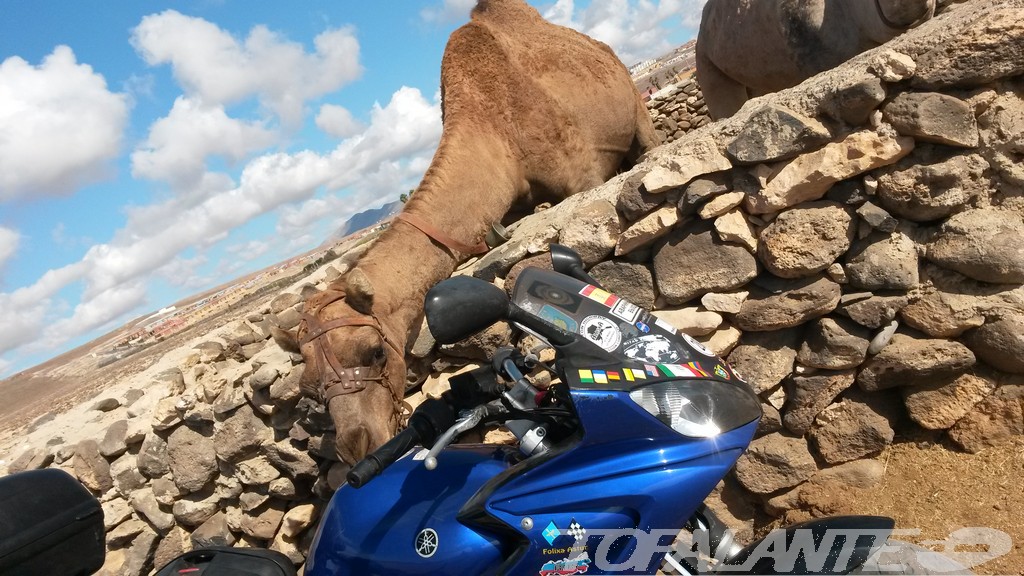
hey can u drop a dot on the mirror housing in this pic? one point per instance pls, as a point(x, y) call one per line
point(565, 260)
point(459, 307)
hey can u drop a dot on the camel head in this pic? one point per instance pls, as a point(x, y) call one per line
point(899, 15)
point(354, 364)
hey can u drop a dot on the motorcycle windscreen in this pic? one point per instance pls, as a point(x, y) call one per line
point(616, 325)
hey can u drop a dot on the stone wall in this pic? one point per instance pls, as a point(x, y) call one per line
point(678, 109)
point(854, 246)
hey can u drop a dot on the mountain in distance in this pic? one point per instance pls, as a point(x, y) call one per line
point(368, 218)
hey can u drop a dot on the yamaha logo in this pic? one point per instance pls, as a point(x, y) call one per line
point(426, 542)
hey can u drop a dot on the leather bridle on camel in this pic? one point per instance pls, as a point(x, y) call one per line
point(893, 25)
point(346, 380)
point(440, 237)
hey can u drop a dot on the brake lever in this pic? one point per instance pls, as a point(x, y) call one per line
point(471, 419)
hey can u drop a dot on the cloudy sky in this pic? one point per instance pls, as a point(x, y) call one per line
point(148, 153)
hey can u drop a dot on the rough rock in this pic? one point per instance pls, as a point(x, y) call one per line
point(702, 189)
point(284, 301)
point(1000, 343)
point(255, 471)
point(992, 47)
point(765, 358)
point(775, 133)
point(805, 239)
point(124, 532)
point(165, 491)
point(173, 544)
point(592, 231)
point(808, 177)
point(264, 377)
point(699, 158)
point(771, 420)
point(874, 311)
point(691, 262)
point(933, 117)
point(152, 458)
point(908, 360)
point(115, 511)
point(939, 405)
point(213, 532)
point(987, 245)
point(634, 282)
point(290, 460)
point(734, 227)
point(192, 457)
point(194, 509)
point(126, 475)
point(263, 522)
point(854, 431)
point(91, 468)
point(647, 229)
point(834, 344)
point(481, 346)
point(990, 422)
point(883, 262)
point(297, 519)
point(807, 396)
point(877, 218)
point(634, 202)
point(892, 66)
point(146, 506)
point(787, 303)
point(775, 462)
point(240, 435)
point(113, 444)
point(691, 320)
point(721, 341)
point(720, 205)
point(932, 183)
point(139, 558)
point(728, 302)
point(853, 103)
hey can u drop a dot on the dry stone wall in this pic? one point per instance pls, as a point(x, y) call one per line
point(678, 109)
point(854, 246)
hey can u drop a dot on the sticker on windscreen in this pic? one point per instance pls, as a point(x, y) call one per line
point(696, 345)
point(601, 331)
point(651, 348)
point(558, 318)
point(626, 310)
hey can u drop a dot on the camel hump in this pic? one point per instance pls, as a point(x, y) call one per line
point(510, 11)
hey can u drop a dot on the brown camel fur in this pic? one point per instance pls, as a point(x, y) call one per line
point(532, 112)
point(747, 48)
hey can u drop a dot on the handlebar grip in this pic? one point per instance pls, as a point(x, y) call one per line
point(368, 468)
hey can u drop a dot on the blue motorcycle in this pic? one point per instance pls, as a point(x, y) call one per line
point(611, 465)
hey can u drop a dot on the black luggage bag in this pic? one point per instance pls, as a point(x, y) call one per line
point(227, 561)
point(49, 524)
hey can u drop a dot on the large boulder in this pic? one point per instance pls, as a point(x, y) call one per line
point(806, 239)
point(993, 420)
point(774, 462)
point(883, 262)
point(765, 358)
point(939, 405)
point(992, 47)
point(909, 360)
point(851, 430)
point(776, 133)
point(692, 261)
point(192, 458)
point(933, 117)
point(985, 244)
point(834, 344)
point(807, 396)
point(777, 304)
point(932, 183)
point(634, 282)
point(1000, 343)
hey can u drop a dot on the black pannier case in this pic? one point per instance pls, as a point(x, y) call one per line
point(49, 525)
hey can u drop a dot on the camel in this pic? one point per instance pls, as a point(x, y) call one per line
point(531, 112)
point(748, 48)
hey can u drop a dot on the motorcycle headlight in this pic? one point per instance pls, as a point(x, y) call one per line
point(699, 408)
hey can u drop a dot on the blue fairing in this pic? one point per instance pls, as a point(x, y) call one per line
point(637, 475)
point(373, 530)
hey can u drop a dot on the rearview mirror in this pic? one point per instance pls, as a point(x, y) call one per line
point(459, 307)
point(565, 260)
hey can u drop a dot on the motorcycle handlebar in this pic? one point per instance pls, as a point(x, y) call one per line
point(428, 421)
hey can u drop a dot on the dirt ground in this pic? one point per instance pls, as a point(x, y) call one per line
point(931, 487)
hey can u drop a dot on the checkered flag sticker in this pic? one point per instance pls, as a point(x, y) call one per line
point(575, 530)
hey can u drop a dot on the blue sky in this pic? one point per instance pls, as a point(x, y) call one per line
point(150, 152)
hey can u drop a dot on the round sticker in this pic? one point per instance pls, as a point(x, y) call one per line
point(601, 331)
point(696, 345)
point(651, 348)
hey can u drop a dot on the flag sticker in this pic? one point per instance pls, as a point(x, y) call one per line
point(600, 296)
point(586, 376)
point(651, 370)
point(700, 371)
point(638, 374)
point(600, 377)
point(612, 375)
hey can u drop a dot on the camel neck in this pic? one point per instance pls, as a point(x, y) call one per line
point(462, 193)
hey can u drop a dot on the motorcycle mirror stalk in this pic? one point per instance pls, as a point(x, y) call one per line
point(565, 260)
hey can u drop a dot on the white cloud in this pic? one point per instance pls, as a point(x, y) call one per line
point(180, 143)
point(393, 151)
point(8, 244)
point(338, 121)
point(449, 11)
point(249, 250)
point(636, 31)
point(60, 125)
point(219, 69)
